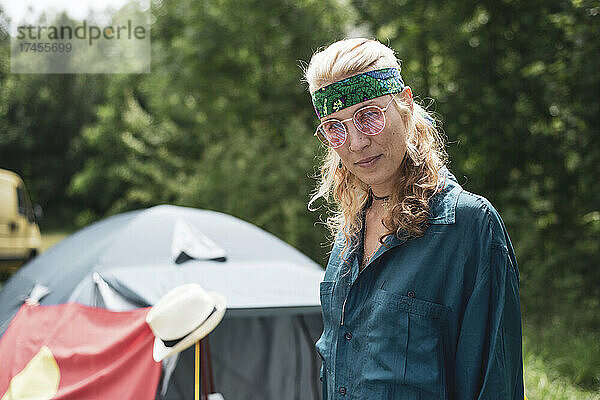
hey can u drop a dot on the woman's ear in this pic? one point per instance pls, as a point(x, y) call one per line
point(406, 96)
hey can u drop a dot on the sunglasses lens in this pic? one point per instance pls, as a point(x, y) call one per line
point(370, 120)
point(332, 133)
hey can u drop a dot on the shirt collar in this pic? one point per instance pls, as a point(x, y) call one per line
point(442, 210)
point(442, 206)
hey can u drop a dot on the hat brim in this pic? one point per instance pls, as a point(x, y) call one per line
point(160, 351)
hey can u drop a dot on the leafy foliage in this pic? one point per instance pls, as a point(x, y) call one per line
point(223, 122)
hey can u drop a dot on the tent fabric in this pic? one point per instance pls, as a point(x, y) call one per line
point(61, 267)
point(246, 285)
point(258, 358)
point(127, 261)
point(71, 351)
point(140, 241)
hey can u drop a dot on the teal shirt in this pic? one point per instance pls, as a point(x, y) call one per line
point(434, 317)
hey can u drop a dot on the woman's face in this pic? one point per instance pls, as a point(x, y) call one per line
point(375, 160)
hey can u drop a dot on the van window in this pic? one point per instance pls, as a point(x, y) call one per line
point(21, 201)
point(24, 206)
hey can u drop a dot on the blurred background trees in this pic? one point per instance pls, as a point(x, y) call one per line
point(224, 122)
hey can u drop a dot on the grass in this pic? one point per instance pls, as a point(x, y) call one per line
point(51, 238)
point(542, 382)
point(562, 358)
point(7, 268)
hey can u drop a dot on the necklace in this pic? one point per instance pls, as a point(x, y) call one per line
point(386, 206)
point(380, 198)
point(385, 199)
point(368, 257)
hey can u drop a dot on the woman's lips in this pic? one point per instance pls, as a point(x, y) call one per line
point(368, 162)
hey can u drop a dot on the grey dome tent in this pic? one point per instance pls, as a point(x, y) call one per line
point(263, 348)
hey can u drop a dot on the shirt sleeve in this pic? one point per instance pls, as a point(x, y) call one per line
point(489, 360)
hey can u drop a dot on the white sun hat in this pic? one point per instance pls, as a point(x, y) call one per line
point(183, 316)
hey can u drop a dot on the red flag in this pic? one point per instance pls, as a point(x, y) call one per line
point(71, 351)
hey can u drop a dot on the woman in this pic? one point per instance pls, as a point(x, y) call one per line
point(421, 293)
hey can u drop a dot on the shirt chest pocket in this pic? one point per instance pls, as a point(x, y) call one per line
point(405, 345)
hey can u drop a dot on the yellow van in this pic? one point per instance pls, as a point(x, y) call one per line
point(20, 238)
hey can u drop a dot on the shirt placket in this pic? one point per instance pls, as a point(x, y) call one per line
point(343, 331)
point(389, 243)
point(342, 377)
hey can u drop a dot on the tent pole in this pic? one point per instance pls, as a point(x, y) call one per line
point(196, 372)
point(210, 373)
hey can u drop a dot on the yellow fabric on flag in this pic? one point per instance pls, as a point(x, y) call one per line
point(39, 379)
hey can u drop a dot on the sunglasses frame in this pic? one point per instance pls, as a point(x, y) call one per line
point(353, 119)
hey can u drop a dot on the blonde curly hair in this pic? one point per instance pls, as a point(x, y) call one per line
point(417, 181)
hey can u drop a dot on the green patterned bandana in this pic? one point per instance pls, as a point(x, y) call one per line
point(356, 89)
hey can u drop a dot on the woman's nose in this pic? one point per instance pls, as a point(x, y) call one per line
point(356, 139)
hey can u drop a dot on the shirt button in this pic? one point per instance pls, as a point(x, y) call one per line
point(411, 294)
point(348, 336)
point(343, 391)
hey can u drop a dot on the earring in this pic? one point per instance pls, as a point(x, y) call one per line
point(340, 165)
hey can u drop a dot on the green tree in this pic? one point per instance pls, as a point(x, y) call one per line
point(223, 121)
point(40, 119)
